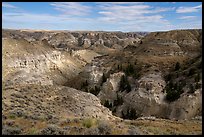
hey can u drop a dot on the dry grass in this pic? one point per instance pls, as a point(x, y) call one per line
point(167, 127)
point(28, 126)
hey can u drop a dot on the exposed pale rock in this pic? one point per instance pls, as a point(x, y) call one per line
point(110, 87)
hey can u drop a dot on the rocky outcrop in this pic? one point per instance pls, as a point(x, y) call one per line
point(148, 98)
point(110, 87)
point(37, 63)
point(77, 40)
point(187, 106)
point(175, 41)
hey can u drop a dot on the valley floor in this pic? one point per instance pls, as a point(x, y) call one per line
point(92, 126)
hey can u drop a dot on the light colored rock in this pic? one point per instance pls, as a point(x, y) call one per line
point(111, 87)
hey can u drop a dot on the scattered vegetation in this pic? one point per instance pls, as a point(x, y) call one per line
point(108, 104)
point(52, 130)
point(104, 78)
point(197, 78)
point(124, 84)
point(84, 84)
point(104, 128)
point(178, 66)
point(118, 101)
point(192, 89)
point(89, 122)
point(132, 70)
point(192, 71)
point(11, 116)
point(177, 80)
point(33, 131)
point(120, 68)
point(112, 106)
point(129, 70)
point(95, 90)
point(130, 114)
point(173, 91)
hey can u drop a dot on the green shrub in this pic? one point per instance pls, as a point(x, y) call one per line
point(172, 95)
point(104, 78)
point(95, 90)
point(84, 84)
point(197, 78)
point(191, 71)
point(88, 122)
point(124, 84)
point(32, 131)
point(104, 128)
point(130, 114)
point(178, 66)
point(173, 91)
point(120, 67)
point(108, 104)
point(129, 70)
point(192, 89)
point(11, 116)
point(118, 101)
point(197, 86)
point(168, 77)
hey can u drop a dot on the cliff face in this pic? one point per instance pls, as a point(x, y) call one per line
point(45, 65)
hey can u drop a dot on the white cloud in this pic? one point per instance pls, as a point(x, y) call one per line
point(30, 18)
point(45, 21)
point(119, 3)
point(132, 13)
point(121, 16)
point(23, 17)
point(188, 9)
point(7, 5)
point(72, 8)
point(187, 17)
point(192, 25)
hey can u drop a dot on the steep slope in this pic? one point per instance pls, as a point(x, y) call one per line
point(58, 101)
point(25, 62)
point(146, 74)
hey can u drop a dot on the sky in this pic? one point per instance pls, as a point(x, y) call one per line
point(102, 16)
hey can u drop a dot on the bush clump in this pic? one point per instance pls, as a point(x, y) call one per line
point(173, 91)
point(192, 71)
point(8, 130)
point(177, 66)
point(95, 90)
point(130, 114)
point(52, 130)
point(104, 78)
point(88, 122)
point(104, 128)
point(108, 104)
point(124, 84)
point(118, 101)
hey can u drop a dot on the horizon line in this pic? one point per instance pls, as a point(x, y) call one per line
point(98, 30)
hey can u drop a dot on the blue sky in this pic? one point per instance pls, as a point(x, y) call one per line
point(102, 16)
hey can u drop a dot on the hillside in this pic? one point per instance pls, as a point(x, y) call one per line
point(95, 82)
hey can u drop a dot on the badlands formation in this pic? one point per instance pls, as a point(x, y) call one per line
point(136, 83)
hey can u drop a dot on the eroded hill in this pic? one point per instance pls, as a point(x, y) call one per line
point(58, 75)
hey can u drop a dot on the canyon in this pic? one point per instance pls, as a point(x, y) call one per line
point(62, 79)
